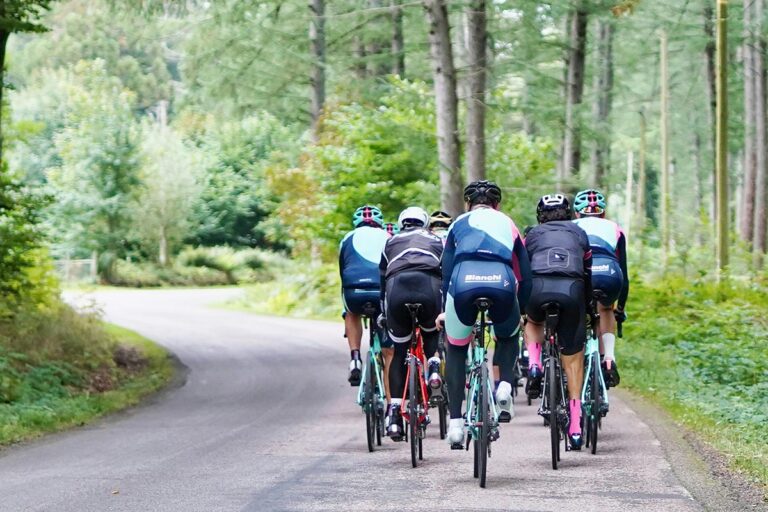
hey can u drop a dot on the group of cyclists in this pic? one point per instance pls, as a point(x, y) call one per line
point(446, 264)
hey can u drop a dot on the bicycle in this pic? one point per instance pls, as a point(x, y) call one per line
point(482, 418)
point(594, 394)
point(371, 394)
point(554, 406)
point(415, 413)
point(439, 397)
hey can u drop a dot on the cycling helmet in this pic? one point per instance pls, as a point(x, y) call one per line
point(412, 216)
point(589, 202)
point(553, 207)
point(482, 192)
point(439, 219)
point(392, 228)
point(368, 215)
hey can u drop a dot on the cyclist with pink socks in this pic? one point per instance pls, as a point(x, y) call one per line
point(561, 261)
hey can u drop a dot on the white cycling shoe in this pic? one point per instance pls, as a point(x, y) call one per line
point(455, 434)
point(504, 401)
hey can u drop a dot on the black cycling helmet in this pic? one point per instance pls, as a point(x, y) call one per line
point(439, 219)
point(553, 207)
point(482, 192)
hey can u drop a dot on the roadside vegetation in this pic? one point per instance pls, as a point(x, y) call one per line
point(60, 369)
point(698, 348)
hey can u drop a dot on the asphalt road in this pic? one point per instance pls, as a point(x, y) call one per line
point(266, 421)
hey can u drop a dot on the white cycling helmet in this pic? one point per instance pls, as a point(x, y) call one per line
point(413, 216)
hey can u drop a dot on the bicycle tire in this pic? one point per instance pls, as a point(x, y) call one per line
point(476, 451)
point(485, 427)
point(413, 415)
point(442, 411)
point(554, 401)
point(594, 417)
point(371, 416)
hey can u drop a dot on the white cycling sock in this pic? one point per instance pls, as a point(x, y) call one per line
point(609, 344)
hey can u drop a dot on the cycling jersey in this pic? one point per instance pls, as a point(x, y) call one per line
point(609, 258)
point(359, 257)
point(558, 248)
point(410, 273)
point(561, 260)
point(484, 257)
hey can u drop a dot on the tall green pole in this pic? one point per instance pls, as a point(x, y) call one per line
point(721, 136)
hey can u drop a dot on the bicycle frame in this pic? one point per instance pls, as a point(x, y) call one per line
point(375, 353)
point(593, 346)
point(416, 350)
point(479, 357)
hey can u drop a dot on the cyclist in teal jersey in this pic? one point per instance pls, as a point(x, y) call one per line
point(609, 272)
point(359, 256)
point(439, 222)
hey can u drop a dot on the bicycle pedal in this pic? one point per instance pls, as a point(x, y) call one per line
point(505, 417)
point(457, 446)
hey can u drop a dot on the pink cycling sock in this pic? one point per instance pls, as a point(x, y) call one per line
point(575, 426)
point(534, 354)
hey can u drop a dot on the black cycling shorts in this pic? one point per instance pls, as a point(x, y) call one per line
point(608, 278)
point(411, 287)
point(569, 294)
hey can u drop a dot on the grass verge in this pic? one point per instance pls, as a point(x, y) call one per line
point(698, 350)
point(54, 395)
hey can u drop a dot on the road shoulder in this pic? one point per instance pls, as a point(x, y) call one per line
point(700, 469)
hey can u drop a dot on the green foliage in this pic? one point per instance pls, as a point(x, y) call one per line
point(60, 369)
point(23, 15)
point(21, 259)
point(234, 204)
point(97, 181)
point(698, 346)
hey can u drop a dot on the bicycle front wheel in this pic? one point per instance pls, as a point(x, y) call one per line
point(413, 410)
point(485, 427)
point(594, 417)
point(554, 401)
point(371, 418)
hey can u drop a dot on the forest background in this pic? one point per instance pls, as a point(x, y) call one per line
point(196, 143)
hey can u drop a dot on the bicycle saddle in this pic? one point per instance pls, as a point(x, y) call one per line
point(483, 303)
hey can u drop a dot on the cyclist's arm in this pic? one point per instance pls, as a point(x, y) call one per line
point(447, 263)
point(382, 278)
point(621, 251)
point(588, 290)
point(522, 267)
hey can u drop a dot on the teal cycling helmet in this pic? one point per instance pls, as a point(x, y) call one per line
point(589, 202)
point(367, 214)
point(392, 228)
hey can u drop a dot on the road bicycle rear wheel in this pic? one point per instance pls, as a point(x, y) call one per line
point(485, 427)
point(593, 420)
point(413, 410)
point(554, 401)
point(442, 412)
point(370, 405)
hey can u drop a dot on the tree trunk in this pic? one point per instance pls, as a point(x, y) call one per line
point(377, 60)
point(709, 55)
point(664, 164)
point(444, 76)
point(722, 136)
point(577, 43)
point(601, 151)
point(641, 179)
point(476, 53)
point(3, 44)
point(759, 232)
point(359, 66)
point(317, 77)
point(398, 44)
point(748, 181)
point(162, 252)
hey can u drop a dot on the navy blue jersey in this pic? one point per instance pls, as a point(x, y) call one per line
point(359, 256)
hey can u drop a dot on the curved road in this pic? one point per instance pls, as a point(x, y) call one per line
point(266, 421)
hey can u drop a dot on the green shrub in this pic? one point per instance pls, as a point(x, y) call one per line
point(699, 347)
